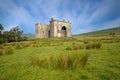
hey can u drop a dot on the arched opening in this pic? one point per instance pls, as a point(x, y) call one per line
point(64, 31)
point(49, 33)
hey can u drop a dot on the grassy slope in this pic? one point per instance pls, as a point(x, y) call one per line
point(103, 32)
point(103, 64)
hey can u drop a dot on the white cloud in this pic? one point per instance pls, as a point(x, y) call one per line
point(10, 27)
point(111, 24)
point(86, 21)
point(104, 9)
point(82, 14)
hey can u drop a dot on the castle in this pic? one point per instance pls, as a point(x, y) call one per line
point(56, 28)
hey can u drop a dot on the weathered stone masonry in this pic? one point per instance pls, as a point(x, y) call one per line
point(56, 28)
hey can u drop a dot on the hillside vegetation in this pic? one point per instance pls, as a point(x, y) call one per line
point(29, 36)
point(76, 58)
point(104, 32)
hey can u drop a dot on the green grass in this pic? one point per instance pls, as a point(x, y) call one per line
point(102, 64)
point(103, 32)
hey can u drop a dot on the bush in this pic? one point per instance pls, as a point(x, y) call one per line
point(68, 61)
point(7, 51)
point(85, 42)
point(35, 45)
point(93, 45)
point(40, 62)
point(18, 46)
point(75, 47)
point(88, 46)
point(21, 45)
point(1, 52)
point(68, 48)
point(35, 61)
point(84, 60)
point(64, 62)
point(97, 45)
point(1, 47)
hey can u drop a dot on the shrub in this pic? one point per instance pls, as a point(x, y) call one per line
point(88, 46)
point(21, 45)
point(40, 62)
point(67, 61)
point(68, 48)
point(61, 43)
point(93, 45)
point(18, 46)
point(1, 47)
point(13, 44)
point(7, 51)
point(64, 62)
point(97, 45)
point(1, 52)
point(35, 45)
point(82, 47)
point(45, 63)
point(85, 42)
point(84, 60)
point(71, 61)
point(35, 61)
point(75, 47)
point(5, 44)
point(47, 44)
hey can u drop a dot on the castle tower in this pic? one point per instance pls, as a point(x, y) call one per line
point(56, 28)
point(42, 30)
point(60, 28)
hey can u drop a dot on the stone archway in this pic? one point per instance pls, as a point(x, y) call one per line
point(64, 31)
point(49, 33)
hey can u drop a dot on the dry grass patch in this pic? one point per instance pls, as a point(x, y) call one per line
point(63, 62)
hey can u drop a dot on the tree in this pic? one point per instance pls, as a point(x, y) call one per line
point(6, 36)
point(16, 33)
point(1, 28)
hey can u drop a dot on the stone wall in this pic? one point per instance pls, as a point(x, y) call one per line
point(42, 30)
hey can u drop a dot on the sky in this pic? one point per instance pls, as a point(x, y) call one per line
point(85, 15)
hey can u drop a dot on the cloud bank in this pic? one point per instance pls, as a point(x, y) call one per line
point(85, 15)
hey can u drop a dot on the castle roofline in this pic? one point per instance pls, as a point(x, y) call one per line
point(60, 20)
point(41, 24)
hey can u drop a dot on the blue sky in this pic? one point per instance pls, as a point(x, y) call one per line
point(85, 15)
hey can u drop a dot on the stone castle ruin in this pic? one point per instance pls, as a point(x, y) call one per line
point(56, 28)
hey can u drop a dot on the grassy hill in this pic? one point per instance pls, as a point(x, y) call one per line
point(76, 58)
point(103, 32)
point(28, 35)
point(106, 34)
